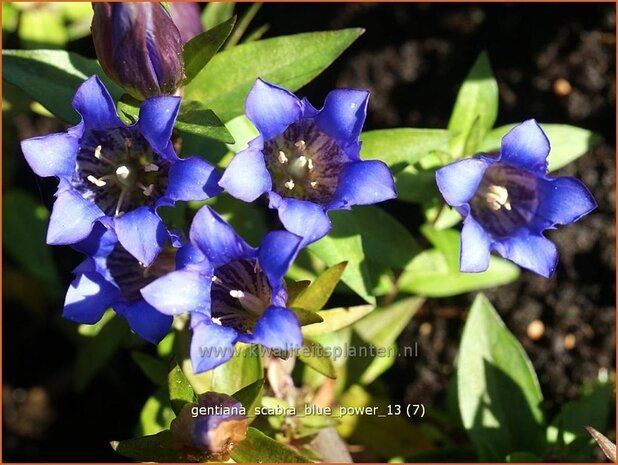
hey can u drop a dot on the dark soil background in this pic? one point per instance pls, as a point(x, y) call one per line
point(553, 62)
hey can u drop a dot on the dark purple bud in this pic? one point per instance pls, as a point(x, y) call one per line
point(139, 47)
point(186, 16)
point(210, 428)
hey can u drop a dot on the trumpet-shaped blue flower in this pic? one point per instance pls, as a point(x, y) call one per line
point(508, 200)
point(306, 160)
point(234, 292)
point(112, 277)
point(117, 174)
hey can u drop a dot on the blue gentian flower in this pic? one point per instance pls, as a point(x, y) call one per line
point(306, 160)
point(221, 423)
point(234, 292)
point(117, 174)
point(112, 277)
point(139, 47)
point(508, 200)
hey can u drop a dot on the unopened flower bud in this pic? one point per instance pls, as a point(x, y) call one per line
point(139, 47)
point(210, 428)
point(186, 16)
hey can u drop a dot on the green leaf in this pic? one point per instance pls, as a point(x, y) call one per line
point(216, 12)
point(154, 448)
point(180, 391)
point(243, 24)
point(98, 350)
point(477, 100)
point(244, 368)
point(384, 325)
point(42, 28)
point(344, 243)
point(568, 143)
point(156, 415)
point(201, 48)
point(499, 394)
point(25, 228)
point(314, 297)
point(289, 61)
point(591, 409)
point(51, 77)
point(385, 240)
point(250, 396)
point(295, 288)
point(93, 330)
point(336, 319)
point(257, 447)
point(435, 272)
point(402, 146)
point(306, 317)
point(152, 367)
point(313, 355)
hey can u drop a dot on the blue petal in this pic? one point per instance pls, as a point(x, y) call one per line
point(305, 219)
point(343, 114)
point(562, 201)
point(211, 346)
point(271, 108)
point(216, 239)
point(246, 177)
point(100, 242)
point(276, 253)
point(179, 292)
point(93, 102)
point(71, 219)
point(475, 247)
point(526, 146)
point(188, 254)
point(156, 120)
point(142, 233)
point(192, 179)
point(88, 297)
point(146, 322)
point(533, 252)
point(277, 328)
point(363, 183)
point(459, 181)
point(52, 155)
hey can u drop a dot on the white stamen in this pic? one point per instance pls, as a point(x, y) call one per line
point(95, 181)
point(282, 158)
point(310, 164)
point(290, 184)
point(150, 168)
point(302, 160)
point(97, 152)
point(314, 184)
point(237, 293)
point(216, 321)
point(301, 145)
point(216, 280)
point(123, 172)
point(146, 190)
point(121, 197)
point(498, 197)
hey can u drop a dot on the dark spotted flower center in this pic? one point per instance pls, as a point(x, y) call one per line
point(131, 276)
point(119, 171)
point(239, 295)
point(505, 200)
point(304, 162)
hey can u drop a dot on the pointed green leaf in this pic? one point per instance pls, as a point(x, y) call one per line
point(295, 288)
point(477, 100)
point(154, 448)
point(336, 319)
point(289, 61)
point(306, 317)
point(250, 396)
point(156, 415)
point(402, 146)
point(244, 368)
point(568, 143)
point(152, 367)
point(51, 77)
point(179, 388)
point(384, 325)
point(201, 48)
point(257, 447)
point(500, 399)
point(313, 355)
point(315, 296)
